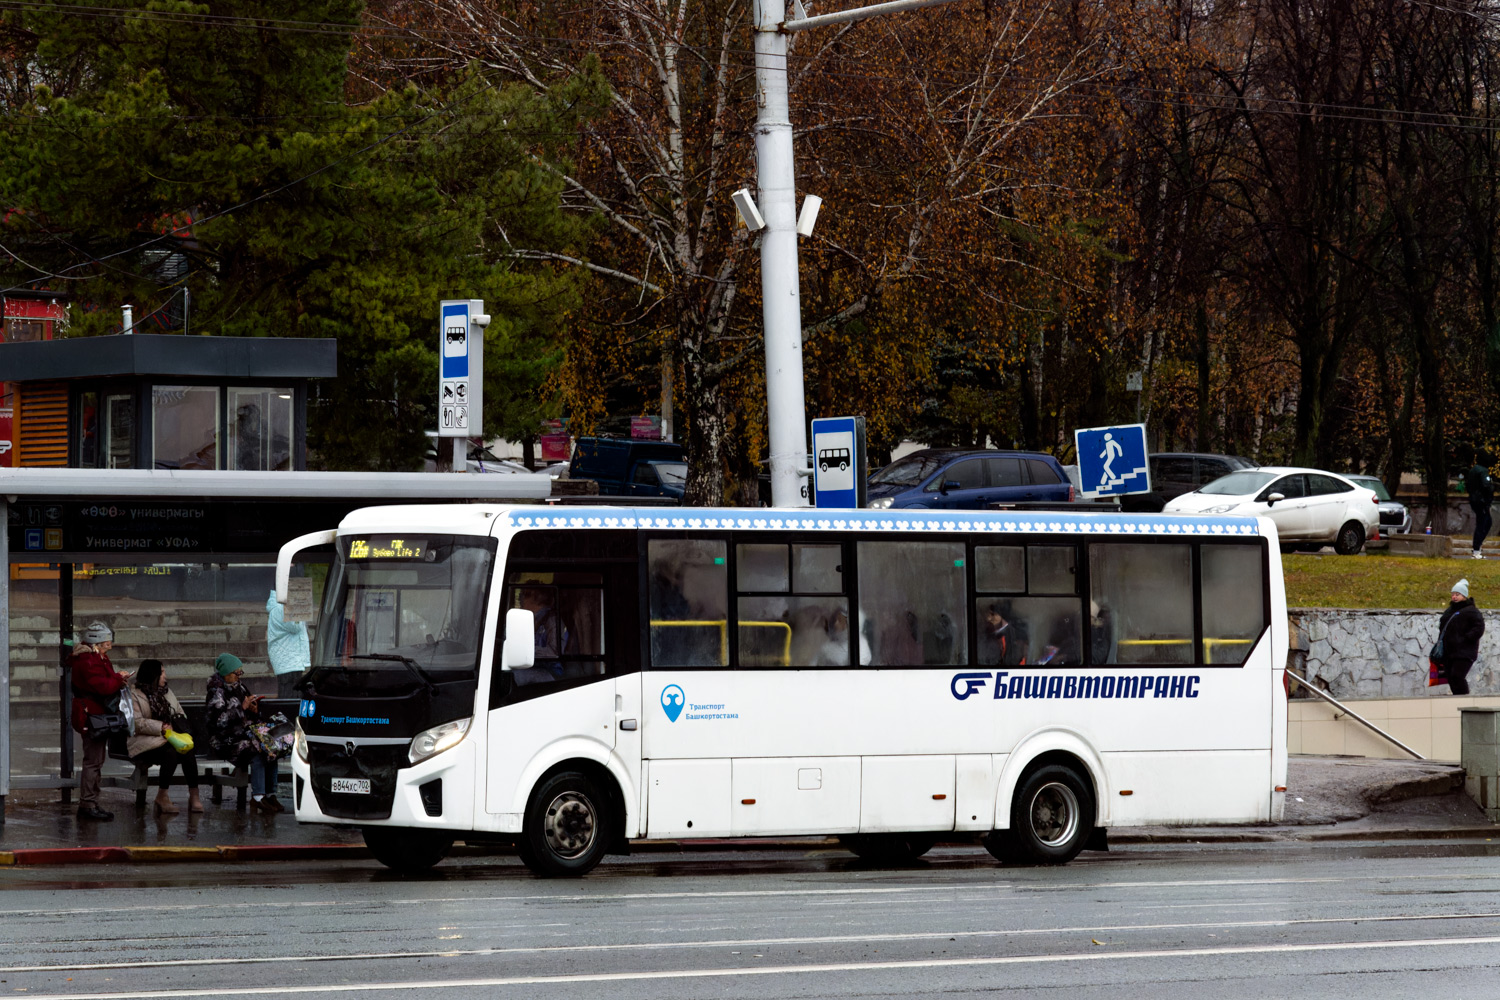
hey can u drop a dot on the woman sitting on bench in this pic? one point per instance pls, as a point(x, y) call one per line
point(157, 711)
point(231, 710)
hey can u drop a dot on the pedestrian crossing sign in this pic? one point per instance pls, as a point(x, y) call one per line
point(1112, 461)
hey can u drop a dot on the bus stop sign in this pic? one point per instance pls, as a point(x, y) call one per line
point(838, 455)
point(1112, 461)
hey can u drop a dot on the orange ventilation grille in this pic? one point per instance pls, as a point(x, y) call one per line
point(42, 424)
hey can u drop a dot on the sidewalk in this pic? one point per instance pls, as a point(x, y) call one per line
point(1328, 798)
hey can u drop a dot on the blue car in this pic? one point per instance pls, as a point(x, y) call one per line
point(968, 479)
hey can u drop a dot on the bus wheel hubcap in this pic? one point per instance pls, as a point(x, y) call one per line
point(1054, 814)
point(569, 826)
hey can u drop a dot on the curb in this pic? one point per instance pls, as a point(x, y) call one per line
point(168, 855)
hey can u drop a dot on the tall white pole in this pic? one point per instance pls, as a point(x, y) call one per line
point(786, 408)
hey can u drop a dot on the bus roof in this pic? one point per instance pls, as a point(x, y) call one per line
point(482, 518)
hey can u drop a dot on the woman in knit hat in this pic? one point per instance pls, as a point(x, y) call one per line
point(230, 710)
point(95, 682)
point(1460, 630)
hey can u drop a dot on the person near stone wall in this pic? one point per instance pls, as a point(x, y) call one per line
point(1461, 628)
point(1481, 491)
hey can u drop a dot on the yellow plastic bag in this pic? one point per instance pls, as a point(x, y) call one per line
point(181, 742)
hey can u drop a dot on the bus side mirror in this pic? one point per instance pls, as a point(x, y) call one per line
point(519, 650)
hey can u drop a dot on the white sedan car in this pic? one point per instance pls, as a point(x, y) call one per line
point(1310, 508)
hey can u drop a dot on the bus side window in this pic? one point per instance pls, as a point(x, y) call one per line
point(913, 603)
point(688, 582)
point(1233, 616)
point(1142, 603)
point(791, 609)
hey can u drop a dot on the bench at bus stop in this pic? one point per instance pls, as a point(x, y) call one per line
point(218, 774)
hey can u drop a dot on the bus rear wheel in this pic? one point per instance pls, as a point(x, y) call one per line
point(566, 830)
point(888, 848)
point(406, 850)
point(1051, 817)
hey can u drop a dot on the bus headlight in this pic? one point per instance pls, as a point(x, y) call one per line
point(300, 743)
point(437, 739)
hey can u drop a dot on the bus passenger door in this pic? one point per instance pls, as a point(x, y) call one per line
point(567, 705)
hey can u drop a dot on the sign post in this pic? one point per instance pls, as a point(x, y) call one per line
point(1112, 461)
point(838, 461)
point(461, 324)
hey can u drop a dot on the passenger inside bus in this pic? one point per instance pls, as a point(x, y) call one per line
point(1002, 642)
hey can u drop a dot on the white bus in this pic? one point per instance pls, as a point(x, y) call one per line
point(571, 679)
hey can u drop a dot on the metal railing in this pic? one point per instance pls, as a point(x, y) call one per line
point(1351, 713)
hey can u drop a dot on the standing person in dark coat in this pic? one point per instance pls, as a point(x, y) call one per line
point(94, 682)
point(1481, 490)
point(1461, 628)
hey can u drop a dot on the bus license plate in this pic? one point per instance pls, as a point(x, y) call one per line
point(352, 786)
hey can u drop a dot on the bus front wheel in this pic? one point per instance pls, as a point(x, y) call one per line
point(406, 850)
point(566, 830)
point(1051, 817)
point(888, 848)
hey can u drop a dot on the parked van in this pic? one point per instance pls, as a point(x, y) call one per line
point(627, 467)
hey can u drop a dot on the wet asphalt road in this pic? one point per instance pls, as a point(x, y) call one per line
point(1381, 920)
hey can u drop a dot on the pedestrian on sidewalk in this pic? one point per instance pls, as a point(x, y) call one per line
point(230, 711)
point(1481, 490)
point(287, 647)
point(95, 681)
point(157, 713)
point(1459, 632)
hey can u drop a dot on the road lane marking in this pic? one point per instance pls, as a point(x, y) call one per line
point(741, 943)
point(763, 893)
point(770, 970)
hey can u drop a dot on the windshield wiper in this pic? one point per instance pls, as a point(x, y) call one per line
point(405, 661)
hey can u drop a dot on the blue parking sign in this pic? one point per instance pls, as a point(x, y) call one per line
point(1112, 461)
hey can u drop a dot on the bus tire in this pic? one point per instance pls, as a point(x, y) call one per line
point(1051, 818)
point(888, 848)
point(1351, 538)
point(566, 829)
point(406, 850)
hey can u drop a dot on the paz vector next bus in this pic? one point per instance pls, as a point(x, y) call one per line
point(571, 679)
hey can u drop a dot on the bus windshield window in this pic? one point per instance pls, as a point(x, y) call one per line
point(912, 605)
point(1142, 602)
point(402, 612)
point(1233, 615)
point(689, 586)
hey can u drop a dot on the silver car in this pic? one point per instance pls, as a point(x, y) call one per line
point(1395, 519)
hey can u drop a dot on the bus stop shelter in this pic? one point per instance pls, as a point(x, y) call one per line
point(177, 524)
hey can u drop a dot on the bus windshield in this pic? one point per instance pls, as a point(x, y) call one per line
point(402, 613)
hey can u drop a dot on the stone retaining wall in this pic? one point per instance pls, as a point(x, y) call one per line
point(1383, 653)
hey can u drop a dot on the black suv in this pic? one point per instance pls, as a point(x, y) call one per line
point(1174, 473)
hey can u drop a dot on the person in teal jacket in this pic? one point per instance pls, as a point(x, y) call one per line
point(287, 647)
